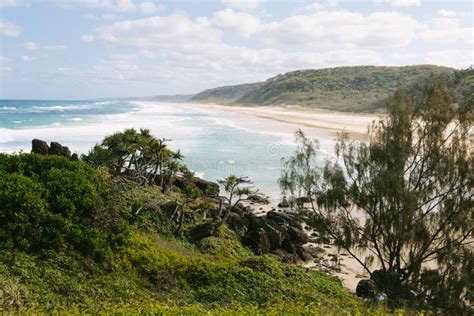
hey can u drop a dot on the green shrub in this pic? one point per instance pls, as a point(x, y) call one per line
point(53, 203)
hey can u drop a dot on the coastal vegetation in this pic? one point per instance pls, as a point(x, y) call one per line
point(128, 228)
point(88, 236)
point(360, 88)
point(401, 205)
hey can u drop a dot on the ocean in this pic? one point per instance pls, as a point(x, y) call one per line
point(215, 143)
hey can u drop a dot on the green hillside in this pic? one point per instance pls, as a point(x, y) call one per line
point(361, 88)
point(226, 94)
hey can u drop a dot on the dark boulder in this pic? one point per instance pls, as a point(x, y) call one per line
point(39, 147)
point(258, 241)
point(297, 236)
point(366, 288)
point(255, 221)
point(207, 187)
point(276, 234)
point(237, 223)
point(202, 231)
point(315, 251)
point(288, 246)
point(303, 254)
point(256, 198)
point(284, 203)
point(59, 150)
point(280, 218)
point(284, 256)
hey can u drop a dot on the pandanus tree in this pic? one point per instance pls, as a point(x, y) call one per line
point(402, 204)
point(237, 189)
point(139, 156)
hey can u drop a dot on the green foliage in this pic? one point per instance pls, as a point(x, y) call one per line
point(224, 95)
point(412, 184)
point(209, 281)
point(361, 88)
point(140, 156)
point(53, 203)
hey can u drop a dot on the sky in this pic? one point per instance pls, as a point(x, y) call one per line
point(85, 49)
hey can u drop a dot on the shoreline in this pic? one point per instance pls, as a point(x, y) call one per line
point(355, 124)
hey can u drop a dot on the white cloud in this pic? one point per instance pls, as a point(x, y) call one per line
point(160, 31)
point(122, 6)
point(238, 22)
point(402, 3)
point(243, 4)
point(27, 58)
point(319, 5)
point(9, 29)
point(30, 46)
point(149, 7)
point(447, 13)
point(447, 31)
point(125, 6)
point(342, 29)
point(12, 3)
point(87, 38)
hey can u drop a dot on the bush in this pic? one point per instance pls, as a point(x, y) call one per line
point(53, 203)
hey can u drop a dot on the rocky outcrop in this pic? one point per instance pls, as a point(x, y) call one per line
point(207, 188)
point(59, 150)
point(276, 233)
point(40, 147)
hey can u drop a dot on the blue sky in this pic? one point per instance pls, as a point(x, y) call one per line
point(77, 49)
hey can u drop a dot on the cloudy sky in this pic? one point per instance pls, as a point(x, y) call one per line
point(76, 49)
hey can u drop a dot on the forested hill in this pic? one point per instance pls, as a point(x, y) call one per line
point(226, 94)
point(360, 88)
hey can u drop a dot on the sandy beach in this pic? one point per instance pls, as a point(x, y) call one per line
point(355, 124)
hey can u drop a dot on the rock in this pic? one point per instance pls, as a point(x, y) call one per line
point(258, 241)
point(288, 245)
point(315, 251)
point(207, 187)
point(59, 150)
point(256, 198)
point(202, 231)
point(237, 223)
point(276, 234)
point(281, 219)
point(297, 235)
point(39, 147)
point(366, 288)
point(284, 203)
point(303, 254)
point(255, 221)
point(284, 256)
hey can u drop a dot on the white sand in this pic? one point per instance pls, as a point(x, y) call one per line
point(355, 124)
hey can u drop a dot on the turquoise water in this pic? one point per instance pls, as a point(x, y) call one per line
point(215, 143)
